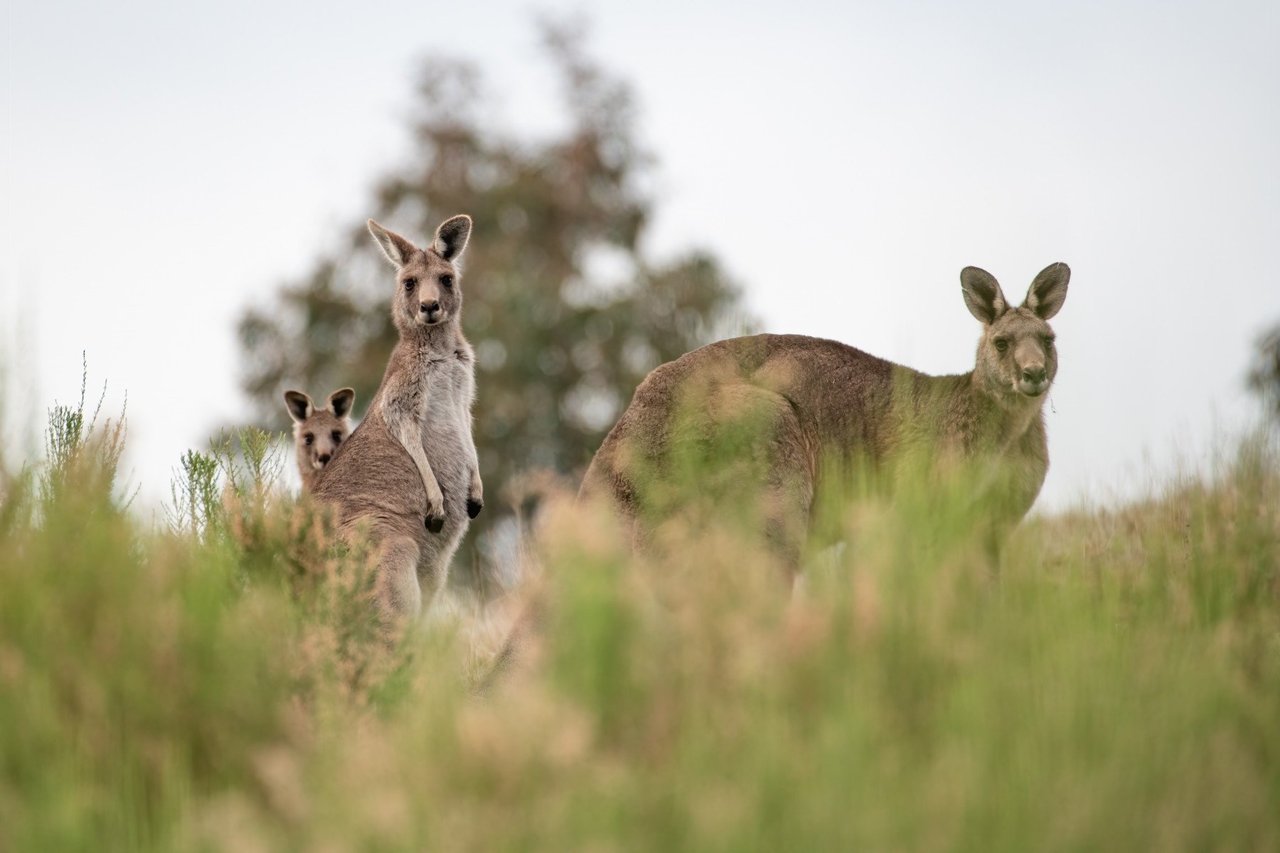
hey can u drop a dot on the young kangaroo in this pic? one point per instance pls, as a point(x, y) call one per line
point(409, 472)
point(818, 407)
point(318, 432)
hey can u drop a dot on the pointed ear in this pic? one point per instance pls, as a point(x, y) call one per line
point(982, 294)
point(1048, 291)
point(299, 405)
point(397, 249)
point(340, 401)
point(451, 237)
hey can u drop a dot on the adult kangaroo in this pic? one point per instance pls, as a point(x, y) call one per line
point(408, 474)
point(815, 409)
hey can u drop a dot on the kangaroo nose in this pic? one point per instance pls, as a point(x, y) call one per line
point(1034, 375)
point(430, 307)
point(324, 458)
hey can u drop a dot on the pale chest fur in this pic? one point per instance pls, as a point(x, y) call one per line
point(450, 390)
point(428, 393)
point(431, 388)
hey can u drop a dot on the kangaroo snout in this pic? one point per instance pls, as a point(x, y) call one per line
point(1034, 380)
point(324, 458)
point(430, 310)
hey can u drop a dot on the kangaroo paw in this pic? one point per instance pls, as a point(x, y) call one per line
point(435, 523)
point(474, 506)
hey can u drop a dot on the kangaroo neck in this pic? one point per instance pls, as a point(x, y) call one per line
point(1000, 418)
point(307, 473)
point(431, 343)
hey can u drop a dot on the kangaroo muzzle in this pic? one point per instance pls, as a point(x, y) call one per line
point(1034, 380)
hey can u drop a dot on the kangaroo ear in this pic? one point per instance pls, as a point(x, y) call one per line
point(451, 236)
point(397, 249)
point(1048, 291)
point(340, 401)
point(982, 294)
point(299, 405)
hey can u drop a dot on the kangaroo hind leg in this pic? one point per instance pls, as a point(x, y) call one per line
point(399, 593)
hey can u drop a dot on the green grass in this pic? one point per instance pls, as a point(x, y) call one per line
point(216, 682)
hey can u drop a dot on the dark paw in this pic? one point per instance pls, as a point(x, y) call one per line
point(473, 507)
point(435, 523)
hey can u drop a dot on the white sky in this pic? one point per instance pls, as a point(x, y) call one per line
point(164, 165)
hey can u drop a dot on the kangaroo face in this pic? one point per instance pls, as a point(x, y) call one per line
point(428, 286)
point(317, 433)
point(430, 291)
point(1016, 354)
point(318, 437)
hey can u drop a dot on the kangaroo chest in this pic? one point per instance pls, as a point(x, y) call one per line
point(448, 386)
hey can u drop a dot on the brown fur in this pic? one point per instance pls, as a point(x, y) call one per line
point(318, 433)
point(822, 407)
point(416, 509)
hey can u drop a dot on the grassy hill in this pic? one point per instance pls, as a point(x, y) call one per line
point(216, 683)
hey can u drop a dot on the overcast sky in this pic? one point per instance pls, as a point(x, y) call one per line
point(165, 165)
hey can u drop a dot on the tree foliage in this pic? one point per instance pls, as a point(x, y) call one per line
point(1264, 373)
point(566, 309)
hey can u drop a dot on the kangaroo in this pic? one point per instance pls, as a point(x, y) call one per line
point(820, 408)
point(409, 473)
point(317, 433)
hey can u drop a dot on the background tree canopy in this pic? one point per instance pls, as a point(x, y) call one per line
point(1264, 372)
point(566, 312)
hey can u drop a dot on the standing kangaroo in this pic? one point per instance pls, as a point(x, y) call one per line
point(317, 433)
point(409, 473)
point(818, 407)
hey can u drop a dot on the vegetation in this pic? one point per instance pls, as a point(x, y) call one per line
point(215, 683)
point(1264, 372)
point(564, 305)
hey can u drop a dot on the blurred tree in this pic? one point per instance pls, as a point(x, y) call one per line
point(1264, 374)
point(566, 312)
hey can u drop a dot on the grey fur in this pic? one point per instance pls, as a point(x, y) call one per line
point(820, 400)
point(318, 433)
point(409, 473)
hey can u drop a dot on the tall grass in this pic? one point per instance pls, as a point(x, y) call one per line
point(218, 683)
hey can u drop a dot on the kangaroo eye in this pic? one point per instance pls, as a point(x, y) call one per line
point(446, 280)
point(308, 439)
point(337, 437)
point(1048, 343)
point(410, 284)
point(1001, 344)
